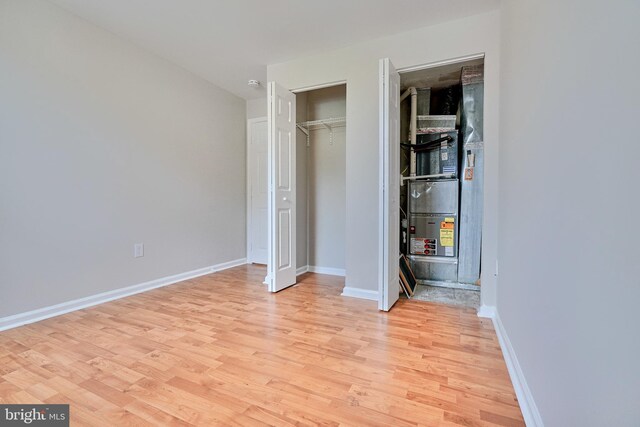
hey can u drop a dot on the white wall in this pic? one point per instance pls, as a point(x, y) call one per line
point(326, 169)
point(256, 108)
point(569, 276)
point(103, 145)
point(358, 66)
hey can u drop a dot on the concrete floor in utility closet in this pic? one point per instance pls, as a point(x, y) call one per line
point(450, 296)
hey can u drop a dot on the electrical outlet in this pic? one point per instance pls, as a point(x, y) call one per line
point(138, 250)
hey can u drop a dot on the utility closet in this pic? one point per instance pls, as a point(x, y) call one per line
point(442, 164)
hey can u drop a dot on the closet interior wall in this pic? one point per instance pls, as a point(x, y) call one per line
point(321, 182)
point(302, 258)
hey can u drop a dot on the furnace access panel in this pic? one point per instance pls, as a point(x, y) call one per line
point(433, 218)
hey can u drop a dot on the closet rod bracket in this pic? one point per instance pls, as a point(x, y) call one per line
point(305, 131)
point(328, 124)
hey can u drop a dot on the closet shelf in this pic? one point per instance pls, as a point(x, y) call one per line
point(329, 124)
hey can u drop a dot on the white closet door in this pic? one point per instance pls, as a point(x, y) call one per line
point(390, 185)
point(258, 158)
point(282, 188)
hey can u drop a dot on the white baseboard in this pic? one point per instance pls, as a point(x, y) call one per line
point(32, 316)
point(327, 270)
point(360, 293)
point(302, 270)
point(487, 311)
point(528, 406)
point(226, 265)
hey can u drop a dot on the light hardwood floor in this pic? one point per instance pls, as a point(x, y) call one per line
point(220, 350)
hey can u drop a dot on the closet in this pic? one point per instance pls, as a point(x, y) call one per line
point(321, 180)
point(441, 193)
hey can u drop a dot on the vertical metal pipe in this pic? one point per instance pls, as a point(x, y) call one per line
point(413, 128)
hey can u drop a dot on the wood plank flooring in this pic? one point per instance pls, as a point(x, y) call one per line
point(220, 350)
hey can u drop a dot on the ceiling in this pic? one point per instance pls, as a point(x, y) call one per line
point(228, 42)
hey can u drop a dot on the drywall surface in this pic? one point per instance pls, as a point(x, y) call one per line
point(568, 238)
point(326, 168)
point(256, 108)
point(302, 241)
point(103, 145)
point(358, 66)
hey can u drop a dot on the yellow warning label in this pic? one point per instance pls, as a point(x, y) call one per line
point(446, 237)
point(449, 219)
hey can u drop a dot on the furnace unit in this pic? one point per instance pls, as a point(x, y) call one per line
point(433, 228)
point(439, 155)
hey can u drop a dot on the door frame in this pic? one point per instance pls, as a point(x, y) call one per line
point(318, 86)
point(249, 176)
point(386, 201)
point(384, 166)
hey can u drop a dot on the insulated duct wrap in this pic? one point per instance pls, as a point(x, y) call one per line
point(424, 101)
point(472, 115)
point(472, 176)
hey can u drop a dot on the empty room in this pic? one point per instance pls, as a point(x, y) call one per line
point(302, 212)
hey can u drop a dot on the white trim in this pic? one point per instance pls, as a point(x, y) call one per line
point(319, 86)
point(32, 316)
point(360, 293)
point(441, 63)
point(249, 167)
point(528, 406)
point(382, 205)
point(224, 266)
point(487, 311)
point(302, 270)
point(327, 270)
point(270, 277)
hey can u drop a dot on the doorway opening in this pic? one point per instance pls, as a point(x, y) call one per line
point(440, 194)
point(321, 180)
point(307, 173)
point(441, 127)
point(257, 186)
